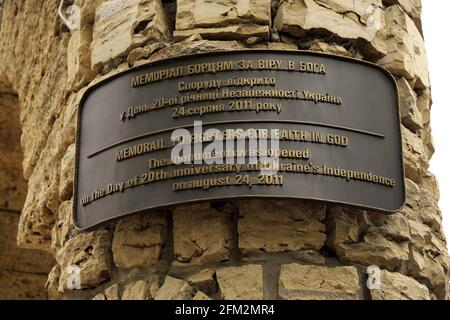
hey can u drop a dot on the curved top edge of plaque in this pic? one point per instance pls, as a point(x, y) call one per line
point(94, 84)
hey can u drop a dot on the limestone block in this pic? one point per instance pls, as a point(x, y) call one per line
point(224, 19)
point(42, 203)
point(424, 102)
point(233, 32)
point(138, 240)
point(144, 52)
point(190, 46)
point(79, 72)
point(175, 289)
point(122, 25)
point(432, 270)
point(406, 49)
point(361, 21)
point(430, 183)
point(67, 173)
point(52, 283)
point(279, 226)
point(303, 282)
point(329, 48)
point(396, 286)
point(201, 234)
point(415, 159)
point(141, 290)
point(241, 283)
point(204, 281)
point(112, 292)
point(200, 296)
point(91, 253)
point(409, 112)
point(412, 7)
point(99, 297)
point(428, 141)
point(63, 227)
point(394, 226)
point(359, 238)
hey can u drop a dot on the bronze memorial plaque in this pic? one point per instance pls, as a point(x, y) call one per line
point(233, 125)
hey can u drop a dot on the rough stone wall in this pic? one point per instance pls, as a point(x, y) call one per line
point(23, 273)
point(251, 249)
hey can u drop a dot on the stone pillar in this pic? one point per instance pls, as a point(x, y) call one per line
point(253, 249)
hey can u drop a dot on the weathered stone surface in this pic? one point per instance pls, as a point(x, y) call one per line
point(52, 283)
point(412, 7)
point(224, 20)
point(190, 46)
point(409, 112)
point(15, 259)
point(141, 290)
point(201, 234)
point(91, 253)
point(414, 156)
point(112, 292)
point(356, 239)
point(99, 297)
point(396, 286)
point(361, 21)
point(302, 282)
point(394, 227)
point(432, 270)
point(35, 52)
point(42, 202)
point(138, 240)
point(233, 32)
point(79, 72)
point(241, 283)
point(430, 183)
point(13, 186)
point(175, 289)
point(79, 51)
point(200, 296)
point(297, 225)
point(63, 227)
point(22, 286)
point(406, 49)
point(329, 48)
point(143, 53)
point(422, 207)
point(204, 281)
point(428, 141)
point(67, 173)
point(122, 25)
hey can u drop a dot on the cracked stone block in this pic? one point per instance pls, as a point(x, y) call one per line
point(280, 226)
point(201, 234)
point(406, 54)
point(122, 25)
point(223, 19)
point(138, 240)
point(303, 282)
point(360, 21)
point(241, 283)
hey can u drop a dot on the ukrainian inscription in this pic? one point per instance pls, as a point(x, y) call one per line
point(330, 122)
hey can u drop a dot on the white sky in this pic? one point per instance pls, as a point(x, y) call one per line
point(436, 27)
